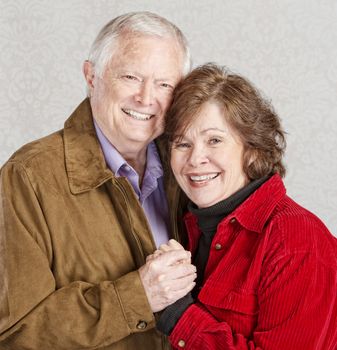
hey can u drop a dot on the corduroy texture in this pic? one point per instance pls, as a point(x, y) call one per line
point(72, 238)
point(208, 220)
point(273, 283)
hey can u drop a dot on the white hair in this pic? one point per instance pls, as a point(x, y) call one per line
point(147, 23)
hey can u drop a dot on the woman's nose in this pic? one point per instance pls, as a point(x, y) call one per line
point(198, 156)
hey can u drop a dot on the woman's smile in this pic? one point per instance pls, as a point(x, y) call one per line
point(207, 159)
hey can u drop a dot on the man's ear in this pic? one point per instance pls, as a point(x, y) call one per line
point(89, 74)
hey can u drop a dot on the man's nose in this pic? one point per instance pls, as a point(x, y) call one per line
point(145, 94)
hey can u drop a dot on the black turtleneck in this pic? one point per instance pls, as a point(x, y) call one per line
point(208, 220)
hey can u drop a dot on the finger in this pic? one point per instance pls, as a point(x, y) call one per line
point(185, 261)
point(172, 256)
point(174, 244)
point(177, 274)
point(164, 247)
point(180, 270)
point(174, 295)
point(149, 257)
point(157, 253)
point(180, 284)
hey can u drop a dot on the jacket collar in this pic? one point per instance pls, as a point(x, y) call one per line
point(84, 159)
point(255, 211)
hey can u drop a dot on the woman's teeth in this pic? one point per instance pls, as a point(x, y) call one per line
point(196, 178)
point(137, 115)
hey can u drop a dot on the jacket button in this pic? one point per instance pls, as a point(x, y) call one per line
point(218, 246)
point(141, 325)
point(181, 343)
point(232, 220)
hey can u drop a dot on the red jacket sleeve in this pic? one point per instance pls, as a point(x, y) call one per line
point(297, 309)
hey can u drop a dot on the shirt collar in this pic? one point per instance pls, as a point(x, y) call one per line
point(116, 162)
point(154, 166)
point(113, 158)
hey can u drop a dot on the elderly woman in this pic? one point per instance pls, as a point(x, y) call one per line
point(267, 267)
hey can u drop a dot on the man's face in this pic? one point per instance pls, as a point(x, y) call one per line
point(129, 101)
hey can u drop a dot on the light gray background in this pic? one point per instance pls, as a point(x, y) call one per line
point(288, 48)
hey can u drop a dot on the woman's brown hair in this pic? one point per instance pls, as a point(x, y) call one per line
point(249, 115)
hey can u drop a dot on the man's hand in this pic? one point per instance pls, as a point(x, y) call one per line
point(167, 275)
point(172, 244)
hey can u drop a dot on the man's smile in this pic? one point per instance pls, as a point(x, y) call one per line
point(137, 115)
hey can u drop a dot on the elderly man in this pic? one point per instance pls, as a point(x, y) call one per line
point(82, 208)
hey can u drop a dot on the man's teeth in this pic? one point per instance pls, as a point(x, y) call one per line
point(137, 115)
point(204, 177)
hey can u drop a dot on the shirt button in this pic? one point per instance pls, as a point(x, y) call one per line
point(127, 168)
point(218, 246)
point(181, 343)
point(141, 325)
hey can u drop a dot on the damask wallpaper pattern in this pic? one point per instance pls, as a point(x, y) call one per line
point(288, 48)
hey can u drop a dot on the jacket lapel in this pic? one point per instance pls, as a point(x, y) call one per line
point(85, 163)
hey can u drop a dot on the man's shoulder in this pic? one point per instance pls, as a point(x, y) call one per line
point(44, 151)
point(51, 147)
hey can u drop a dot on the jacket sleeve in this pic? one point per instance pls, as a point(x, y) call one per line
point(36, 315)
point(295, 310)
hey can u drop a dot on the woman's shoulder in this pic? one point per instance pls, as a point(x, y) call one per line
point(294, 229)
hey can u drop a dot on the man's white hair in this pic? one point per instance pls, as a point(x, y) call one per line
point(103, 48)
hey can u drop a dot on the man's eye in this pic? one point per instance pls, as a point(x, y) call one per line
point(130, 77)
point(166, 86)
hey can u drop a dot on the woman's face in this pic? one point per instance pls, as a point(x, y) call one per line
point(207, 160)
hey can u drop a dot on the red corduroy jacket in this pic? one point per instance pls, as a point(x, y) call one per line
point(270, 281)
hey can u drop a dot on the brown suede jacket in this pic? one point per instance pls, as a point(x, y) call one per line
point(72, 237)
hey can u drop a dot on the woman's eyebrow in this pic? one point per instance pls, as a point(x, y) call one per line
point(213, 129)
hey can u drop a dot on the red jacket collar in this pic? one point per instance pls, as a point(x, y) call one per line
point(255, 211)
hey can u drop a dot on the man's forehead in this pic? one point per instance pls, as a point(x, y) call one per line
point(135, 42)
point(134, 50)
point(129, 37)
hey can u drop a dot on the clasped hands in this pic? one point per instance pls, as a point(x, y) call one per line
point(167, 275)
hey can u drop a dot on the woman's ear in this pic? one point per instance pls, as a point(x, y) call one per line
point(252, 156)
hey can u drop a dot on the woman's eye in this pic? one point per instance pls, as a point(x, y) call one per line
point(182, 145)
point(214, 141)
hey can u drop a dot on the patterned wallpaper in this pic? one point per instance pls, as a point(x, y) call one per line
point(288, 48)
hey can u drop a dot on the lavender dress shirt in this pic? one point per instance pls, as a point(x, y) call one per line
point(151, 195)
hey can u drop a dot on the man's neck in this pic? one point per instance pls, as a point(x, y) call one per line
point(135, 154)
point(138, 162)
